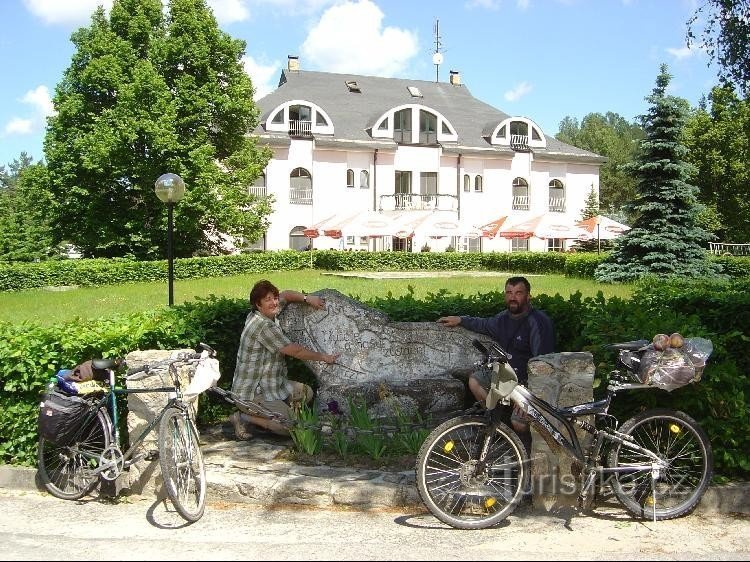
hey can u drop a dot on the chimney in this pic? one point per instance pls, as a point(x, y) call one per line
point(293, 63)
point(455, 78)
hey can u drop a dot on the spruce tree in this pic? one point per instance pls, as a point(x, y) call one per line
point(665, 239)
point(591, 205)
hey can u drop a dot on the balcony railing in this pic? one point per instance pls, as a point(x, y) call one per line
point(257, 191)
point(520, 142)
point(557, 204)
point(300, 128)
point(299, 196)
point(418, 202)
point(520, 202)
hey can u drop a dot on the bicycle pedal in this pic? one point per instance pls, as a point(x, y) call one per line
point(151, 456)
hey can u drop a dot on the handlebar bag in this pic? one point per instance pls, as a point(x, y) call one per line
point(60, 416)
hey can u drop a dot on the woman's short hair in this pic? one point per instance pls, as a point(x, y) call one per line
point(260, 290)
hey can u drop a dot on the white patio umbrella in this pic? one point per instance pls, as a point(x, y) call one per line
point(549, 225)
point(603, 228)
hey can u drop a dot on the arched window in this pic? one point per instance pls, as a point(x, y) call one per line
point(556, 196)
point(350, 178)
point(297, 239)
point(520, 195)
point(467, 182)
point(478, 183)
point(259, 186)
point(364, 179)
point(300, 187)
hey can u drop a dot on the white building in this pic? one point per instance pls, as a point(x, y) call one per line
point(429, 159)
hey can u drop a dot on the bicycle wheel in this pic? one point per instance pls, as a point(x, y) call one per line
point(463, 490)
point(181, 463)
point(677, 484)
point(69, 472)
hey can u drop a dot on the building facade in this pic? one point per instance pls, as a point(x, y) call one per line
point(369, 163)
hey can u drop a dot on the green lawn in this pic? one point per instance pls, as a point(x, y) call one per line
point(49, 306)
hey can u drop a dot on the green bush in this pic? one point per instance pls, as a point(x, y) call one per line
point(720, 311)
point(94, 272)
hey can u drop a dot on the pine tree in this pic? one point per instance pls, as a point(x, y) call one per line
point(150, 92)
point(665, 239)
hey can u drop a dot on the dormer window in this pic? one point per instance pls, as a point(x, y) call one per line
point(300, 119)
point(520, 133)
point(414, 91)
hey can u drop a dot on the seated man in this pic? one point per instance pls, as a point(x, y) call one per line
point(261, 373)
point(522, 331)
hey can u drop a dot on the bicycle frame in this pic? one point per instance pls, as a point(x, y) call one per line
point(109, 401)
point(540, 412)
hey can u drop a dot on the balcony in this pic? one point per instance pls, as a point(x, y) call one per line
point(520, 202)
point(299, 196)
point(557, 204)
point(418, 202)
point(299, 128)
point(257, 191)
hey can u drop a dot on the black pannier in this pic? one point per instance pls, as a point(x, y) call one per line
point(61, 416)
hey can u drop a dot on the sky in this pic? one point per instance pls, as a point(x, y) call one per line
point(541, 59)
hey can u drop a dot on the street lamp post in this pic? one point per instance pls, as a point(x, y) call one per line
point(170, 188)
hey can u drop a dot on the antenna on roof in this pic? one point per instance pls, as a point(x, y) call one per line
point(437, 57)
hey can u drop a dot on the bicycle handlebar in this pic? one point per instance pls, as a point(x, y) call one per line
point(181, 357)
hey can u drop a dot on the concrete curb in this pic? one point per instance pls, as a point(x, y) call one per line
point(255, 472)
point(274, 482)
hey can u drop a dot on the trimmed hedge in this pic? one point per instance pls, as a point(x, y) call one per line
point(92, 272)
point(720, 311)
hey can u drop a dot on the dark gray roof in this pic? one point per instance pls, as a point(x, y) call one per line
point(354, 113)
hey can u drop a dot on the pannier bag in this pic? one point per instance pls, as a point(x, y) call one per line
point(60, 416)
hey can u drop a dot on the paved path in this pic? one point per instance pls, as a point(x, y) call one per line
point(36, 526)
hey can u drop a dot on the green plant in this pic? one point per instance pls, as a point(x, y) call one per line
point(368, 438)
point(411, 433)
point(306, 432)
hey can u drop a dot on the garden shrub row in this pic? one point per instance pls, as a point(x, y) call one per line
point(720, 311)
point(92, 272)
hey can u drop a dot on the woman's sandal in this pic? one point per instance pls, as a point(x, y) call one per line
point(240, 430)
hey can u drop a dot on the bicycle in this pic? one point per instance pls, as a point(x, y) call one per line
point(72, 470)
point(472, 470)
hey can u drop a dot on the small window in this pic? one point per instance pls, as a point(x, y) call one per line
point(501, 133)
point(519, 245)
point(350, 240)
point(383, 125)
point(555, 245)
point(320, 119)
point(535, 134)
point(363, 240)
point(446, 130)
point(279, 117)
point(467, 182)
point(353, 86)
point(364, 179)
point(478, 183)
point(350, 178)
point(414, 91)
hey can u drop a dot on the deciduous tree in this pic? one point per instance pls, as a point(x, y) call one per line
point(149, 92)
point(665, 239)
point(722, 28)
point(718, 140)
point(25, 204)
